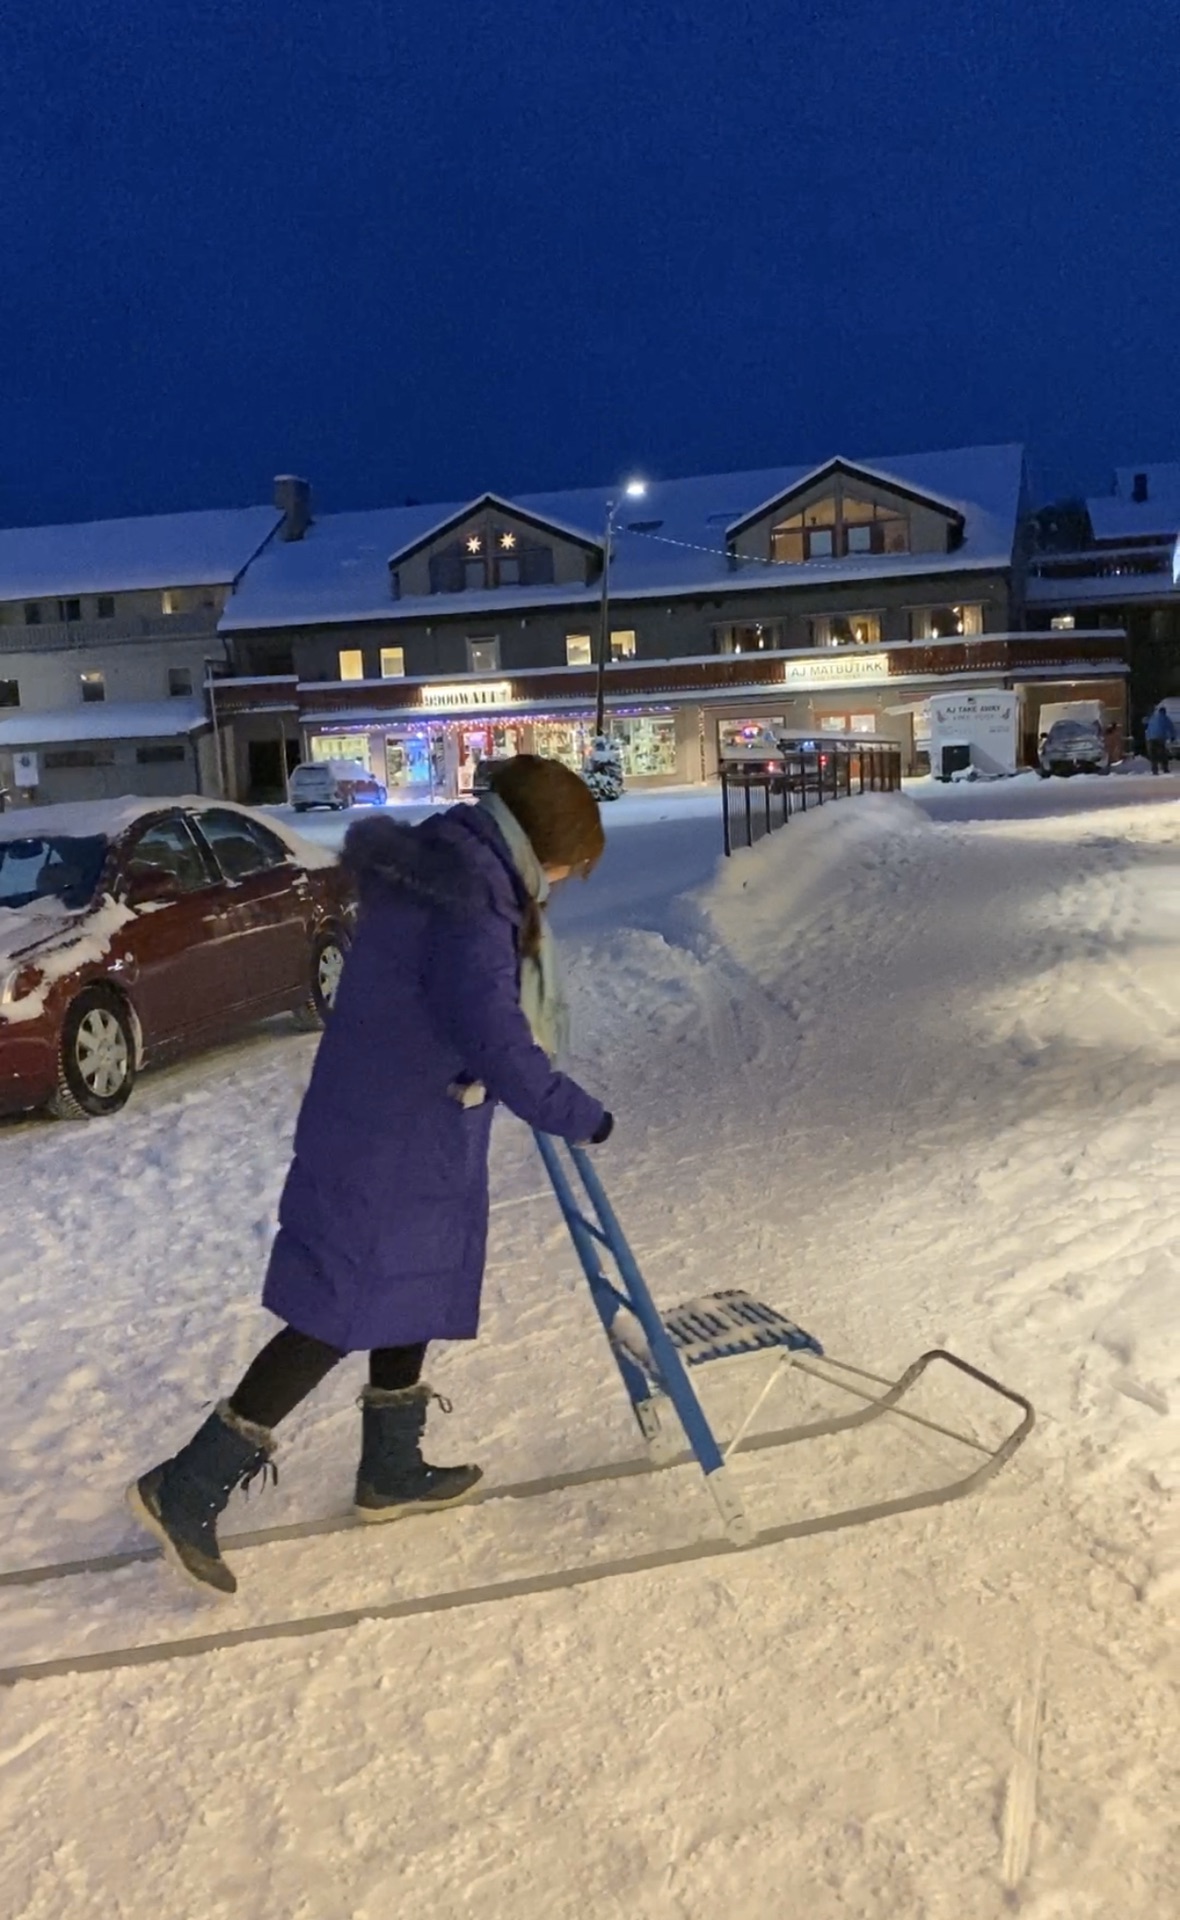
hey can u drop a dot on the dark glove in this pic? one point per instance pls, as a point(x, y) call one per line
point(603, 1130)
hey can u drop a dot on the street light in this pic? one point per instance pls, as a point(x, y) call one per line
point(631, 490)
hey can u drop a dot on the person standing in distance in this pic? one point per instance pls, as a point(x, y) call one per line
point(449, 1004)
point(1159, 734)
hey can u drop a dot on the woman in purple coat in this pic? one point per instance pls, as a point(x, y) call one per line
point(448, 1004)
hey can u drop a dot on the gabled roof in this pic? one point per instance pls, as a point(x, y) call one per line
point(338, 574)
point(120, 556)
point(544, 523)
point(853, 469)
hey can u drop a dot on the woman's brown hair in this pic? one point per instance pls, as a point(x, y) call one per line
point(556, 809)
point(560, 816)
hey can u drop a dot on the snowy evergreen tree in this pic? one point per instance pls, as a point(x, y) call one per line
point(603, 772)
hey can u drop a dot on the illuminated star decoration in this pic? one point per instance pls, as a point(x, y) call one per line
point(507, 541)
point(474, 543)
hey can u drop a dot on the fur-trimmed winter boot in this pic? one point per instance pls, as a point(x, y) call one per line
point(181, 1500)
point(393, 1479)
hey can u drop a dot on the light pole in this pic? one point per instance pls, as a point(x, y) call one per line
point(217, 750)
point(632, 490)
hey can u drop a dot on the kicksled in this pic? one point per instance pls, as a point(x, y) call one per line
point(657, 1354)
point(658, 1357)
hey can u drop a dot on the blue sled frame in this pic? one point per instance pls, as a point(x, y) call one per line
point(654, 1351)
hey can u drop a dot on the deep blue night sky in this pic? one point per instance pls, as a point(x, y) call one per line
point(416, 250)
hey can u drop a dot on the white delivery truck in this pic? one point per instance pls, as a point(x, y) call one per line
point(973, 734)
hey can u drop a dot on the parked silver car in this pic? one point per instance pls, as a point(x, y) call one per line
point(1073, 746)
point(336, 784)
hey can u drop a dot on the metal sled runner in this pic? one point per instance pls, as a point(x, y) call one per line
point(657, 1356)
point(655, 1352)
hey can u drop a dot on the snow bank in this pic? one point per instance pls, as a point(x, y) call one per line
point(804, 878)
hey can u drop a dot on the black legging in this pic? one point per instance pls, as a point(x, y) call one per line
point(292, 1365)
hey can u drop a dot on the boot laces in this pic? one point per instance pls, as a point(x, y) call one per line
point(264, 1465)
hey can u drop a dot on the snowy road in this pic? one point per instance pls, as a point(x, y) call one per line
point(910, 1073)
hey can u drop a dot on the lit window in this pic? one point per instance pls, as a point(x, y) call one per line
point(579, 650)
point(622, 645)
point(483, 656)
point(180, 681)
point(834, 527)
point(393, 663)
point(94, 686)
point(170, 600)
point(1063, 623)
point(846, 630)
point(945, 623)
point(760, 636)
point(352, 664)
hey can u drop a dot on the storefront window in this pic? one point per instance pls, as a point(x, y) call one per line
point(407, 761)
point(564, 740)
point(648, 746)
point(341, 746)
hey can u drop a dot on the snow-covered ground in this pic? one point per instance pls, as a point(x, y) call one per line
point(910, 1071)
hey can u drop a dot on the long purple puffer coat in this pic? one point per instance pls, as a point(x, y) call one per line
point(383, 1220)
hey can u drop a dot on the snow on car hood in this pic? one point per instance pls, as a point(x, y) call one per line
point(51, 941)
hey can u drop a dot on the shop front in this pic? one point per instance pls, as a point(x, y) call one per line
point(436, 757)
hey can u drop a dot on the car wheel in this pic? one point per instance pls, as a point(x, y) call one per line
point(96, 1064)
point(327, 964)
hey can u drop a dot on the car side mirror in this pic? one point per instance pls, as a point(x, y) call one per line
point(146, 885)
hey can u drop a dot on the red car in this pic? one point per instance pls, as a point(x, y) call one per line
point(134, 930)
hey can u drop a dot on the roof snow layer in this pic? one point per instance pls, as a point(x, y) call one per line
point(339, 571)
point(120, 556)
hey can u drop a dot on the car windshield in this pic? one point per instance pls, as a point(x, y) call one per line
point(50, 867)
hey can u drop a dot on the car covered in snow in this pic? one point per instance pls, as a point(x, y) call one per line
point(1073, 746)
point(135, 930)
point(334, 783)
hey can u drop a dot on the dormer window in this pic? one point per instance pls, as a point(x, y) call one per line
point(837, 527)
point(497, 558)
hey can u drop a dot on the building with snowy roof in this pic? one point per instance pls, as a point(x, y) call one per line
point(422, 639)
point(108, 633)
point(1120, 572)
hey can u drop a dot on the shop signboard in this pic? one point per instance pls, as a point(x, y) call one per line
point(852, 669)
point(986, 723)
point(466, 696)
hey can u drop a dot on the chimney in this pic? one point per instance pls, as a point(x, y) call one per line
point(1139, 489)
point(293, 500)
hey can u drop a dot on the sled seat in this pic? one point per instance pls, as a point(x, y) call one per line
point(727, 1324)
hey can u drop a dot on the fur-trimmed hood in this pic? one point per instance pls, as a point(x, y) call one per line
point(443, 862)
